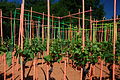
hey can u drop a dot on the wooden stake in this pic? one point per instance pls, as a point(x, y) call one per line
point(43, 28)
point(30, 25)
point(5, 66)
point(81, 77)
point(65, 70)
point(1, 26)
point(114, 39)
point(34, 65)
point(22, 35)
point(52, 26)
point(13, 65)
point(83, 32)
point(101, 69)
point(90, 24)
point(48, 35)
point(11, 23)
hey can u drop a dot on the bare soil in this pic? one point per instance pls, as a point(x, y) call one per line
point(58, 72)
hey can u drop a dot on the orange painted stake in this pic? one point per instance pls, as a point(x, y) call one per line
point(13, 59)
point(22, 35)
point(0, 58)
point(1, 26)
point(17, 62)
point(34, 65)
point(36, 61)
point(90, 39)
point(101, 69)
point(42, 58)
point(83, 32)
point(65, 70)
point(81, 77)
point(4, 66)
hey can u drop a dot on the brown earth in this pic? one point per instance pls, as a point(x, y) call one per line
point(58, 72)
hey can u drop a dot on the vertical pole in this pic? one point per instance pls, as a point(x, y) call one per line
point(43, 28)
point(79, 22)
point(38, 34)
point(1, 27)
point(55, 30)
point(70, 31)
point(34, 66)
point(11, 24)
point(48, 35)
point(101, 65)
point(90, 24)
point(101, 68)
point(105, 32)
point(25, 29)
point(42, 35)
point(65, 69)
point(1, 31)
point(94, 31)
point(83, 32)
point(52, 26)
point(63, 31)
point(114, 40)
point(30, 25)
point(22, 35)
point(110, 32)
point(14, 23)
point(91, 30)
point(4, 66)
point(13, 58)
point(102, 31)
point(59, 29)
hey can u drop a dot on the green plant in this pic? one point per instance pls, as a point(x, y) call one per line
point(30, 49)
point(58, 48)
point(6, 48)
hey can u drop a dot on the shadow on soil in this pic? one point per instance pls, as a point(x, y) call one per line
point(63, 73)
point(29, 78)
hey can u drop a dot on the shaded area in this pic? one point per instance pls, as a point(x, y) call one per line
point(44, 73)
point(29, 78)
point(63, 73)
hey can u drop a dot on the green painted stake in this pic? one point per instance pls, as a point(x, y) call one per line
point(28, 26)
point(69, 32)
point(54, 31)
point(110, 32)
point(63, 31)
point(38, 34)
point(94, 33)
point(13, 29)
point(105, 32)
point(59, 29)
